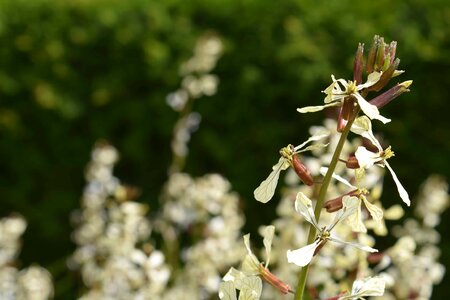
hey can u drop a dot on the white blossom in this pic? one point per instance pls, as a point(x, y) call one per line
point(341, 89)
point(303, 205)
point(372, 286)
point(366, 158)
point(265, 191)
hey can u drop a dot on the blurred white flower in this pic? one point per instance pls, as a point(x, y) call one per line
point(372, 286)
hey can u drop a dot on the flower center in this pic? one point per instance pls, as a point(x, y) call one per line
point(387, 153)
point(351, 88)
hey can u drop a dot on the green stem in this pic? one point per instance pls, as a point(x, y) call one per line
point(318, 209)
point(178, 161)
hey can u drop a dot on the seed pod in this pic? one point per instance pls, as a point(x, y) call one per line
point(335, 204)
point(352, 162)
point(273, 280)
point(302, 171)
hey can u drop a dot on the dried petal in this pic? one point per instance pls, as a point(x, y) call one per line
point(266, 189)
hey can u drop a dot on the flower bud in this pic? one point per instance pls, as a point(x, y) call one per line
point(358, 64)
point(391, 94)
point(302, 171)
point(273, 280)
point(372, 55)
point(385, 77)
point(391, 50)
point(381, 54)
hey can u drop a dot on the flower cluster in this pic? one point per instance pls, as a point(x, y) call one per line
point(411, 266)
point(197, 82)
point(114, 256)
point(118, 260)
point(205, 213)
point(32, 283)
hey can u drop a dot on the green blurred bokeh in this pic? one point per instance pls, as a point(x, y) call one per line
point(72, 72)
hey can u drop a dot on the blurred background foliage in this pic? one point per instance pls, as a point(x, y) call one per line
point(72, 72)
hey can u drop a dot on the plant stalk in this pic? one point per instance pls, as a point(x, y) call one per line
point(299, 293)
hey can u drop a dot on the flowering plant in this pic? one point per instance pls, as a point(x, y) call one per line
point(339, 164)
point(184, 249)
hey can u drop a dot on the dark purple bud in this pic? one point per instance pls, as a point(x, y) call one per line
point(391, 94)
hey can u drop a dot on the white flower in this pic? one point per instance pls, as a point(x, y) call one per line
point(341, 89)
point(248, 280)
point(355, 220)
point(303, 205)
point(366, 158)
point(371, 286)
point(265, 191)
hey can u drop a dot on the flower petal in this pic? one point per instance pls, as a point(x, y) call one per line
point(366, 158)
point(372, 78)
point(401, 190)
point(268, 233)
point(311, 139)
point(350, 205)
point(324, 170)
point(308, 109)
point(313, 147)
point(227, 291)
point(250, 264)
point(265, 191)
point(363, 127)
point(370, 110)
point(375, 211)
point(355, 220)
point(251, 288)
point(234, 276)
point(303, 256)
point(372, 286)
point(303, 205)
point(356, 245)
